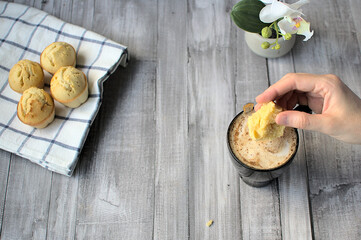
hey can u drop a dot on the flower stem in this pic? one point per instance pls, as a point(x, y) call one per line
point(275, 27)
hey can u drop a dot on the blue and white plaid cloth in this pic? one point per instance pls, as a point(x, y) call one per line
point(24, 33)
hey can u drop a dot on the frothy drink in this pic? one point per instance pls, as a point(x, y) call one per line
point(261, 154)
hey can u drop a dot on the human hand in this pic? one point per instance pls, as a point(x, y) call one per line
point(337, 109)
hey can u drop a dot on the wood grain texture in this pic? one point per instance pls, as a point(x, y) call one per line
point(132, 23)
point(82, 13)
point(155, 164)
point(293, 184)
point(294, 198)
point(213, 182)
point(354, 5)
point(333, 167)
point(27, 201)
point(116, 185)
point(172, 163)
point(116, 192)
point(260, 211)
point(4, 174)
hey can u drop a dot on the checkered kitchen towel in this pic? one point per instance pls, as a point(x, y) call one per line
point(24, 33)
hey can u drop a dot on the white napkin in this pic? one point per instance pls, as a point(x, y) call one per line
point(24, 33)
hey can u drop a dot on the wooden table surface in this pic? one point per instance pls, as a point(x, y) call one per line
point(155, 164)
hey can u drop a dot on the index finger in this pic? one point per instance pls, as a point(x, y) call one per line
point(304, 82)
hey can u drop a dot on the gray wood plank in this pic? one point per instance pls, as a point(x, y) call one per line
point(293, 184)
point(132, 23)
point(260, 210)
point(46, 6)
point(82, 13)
point(116, 182)
point(116, 187)
point(213, 181)
point(62, 207)
point(355, 8)
point(4, 173)
point(171, 176)
point(333, 167)
point(294, 198)
point(61, 9)
point(27, 201)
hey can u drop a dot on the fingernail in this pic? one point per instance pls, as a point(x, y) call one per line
point(282, 119)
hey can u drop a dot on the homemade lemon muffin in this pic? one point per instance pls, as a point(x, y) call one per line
point(262, 124)
point(57, 55)
point(36, 108)
point(25, 74)
point(69, 86)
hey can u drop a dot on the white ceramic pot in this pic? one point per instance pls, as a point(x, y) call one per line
point(255, 40)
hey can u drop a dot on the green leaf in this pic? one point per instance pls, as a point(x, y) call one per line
point(245, 14)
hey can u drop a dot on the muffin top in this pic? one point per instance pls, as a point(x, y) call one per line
point(35, 106)
point(67, 83)
point(57, 55)
point(25, 74)
point(262, 124)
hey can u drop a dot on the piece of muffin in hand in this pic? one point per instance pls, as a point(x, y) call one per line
point(57, 55)
point(26, 74)
point(36, 108)
point(69, 86)
point(262, 124)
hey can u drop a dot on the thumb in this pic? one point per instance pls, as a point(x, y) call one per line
point(301, 120)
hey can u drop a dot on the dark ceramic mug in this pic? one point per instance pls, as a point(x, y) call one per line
point(260, 177)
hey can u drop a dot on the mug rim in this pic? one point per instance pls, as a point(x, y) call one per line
point(257, 169)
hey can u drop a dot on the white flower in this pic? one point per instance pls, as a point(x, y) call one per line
point(292, 21)
point(295, 25)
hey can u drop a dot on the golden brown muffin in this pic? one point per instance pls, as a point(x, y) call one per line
point(25, 74)
point(69, 86)
point(57, 55)
point(36, 108)
point(262, 124)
